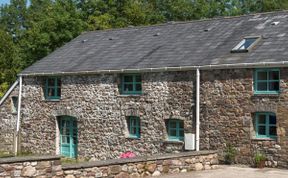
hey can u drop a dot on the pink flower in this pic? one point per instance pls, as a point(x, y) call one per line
point(128, 154)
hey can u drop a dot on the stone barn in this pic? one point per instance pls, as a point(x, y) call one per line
point(197, 85)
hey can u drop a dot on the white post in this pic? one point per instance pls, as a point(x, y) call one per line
point(197, 109)
point(18, 117)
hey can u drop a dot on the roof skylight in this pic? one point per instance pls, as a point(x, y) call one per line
point(246, 44)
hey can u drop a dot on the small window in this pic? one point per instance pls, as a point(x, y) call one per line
point(245, 44)
point(134, 126)
point(14, 104)
point(53, 88)
point(267, 81)
point(131, 84)
point(265, 125)
point(175, 129)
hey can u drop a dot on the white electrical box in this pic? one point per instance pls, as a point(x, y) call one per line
point(189, 140)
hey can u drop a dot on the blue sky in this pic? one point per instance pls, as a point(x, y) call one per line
point(4, 1)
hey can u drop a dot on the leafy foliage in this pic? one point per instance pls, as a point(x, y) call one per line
point(30, 32)
point(229, 154)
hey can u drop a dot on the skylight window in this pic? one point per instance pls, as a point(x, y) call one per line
point(246, 44)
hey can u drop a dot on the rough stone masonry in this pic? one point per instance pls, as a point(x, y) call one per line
point(228, 105)
point(101, 113)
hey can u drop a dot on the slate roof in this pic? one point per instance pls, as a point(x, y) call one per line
point(193, 43)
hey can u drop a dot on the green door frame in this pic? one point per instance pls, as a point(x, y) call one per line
point(68, 136)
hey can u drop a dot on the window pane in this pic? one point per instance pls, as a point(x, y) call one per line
point(14, 103)
point(272, 130)
point(262, 75)
point(181, 124)
point(51, 92)
point(75, 124)
point(173, 124)
point(261, 119)
point(128, 87)
point(64, 140)
point(173, 133)
point(58, 82)
point(272, 119)
point(274, 75)
point(133, 130)
point(128, 78)
point(75, 140)
point(273, 86)
point(262, 86)
point(261, 130)
point(51, 82)
point(181, 134)
point(138, 87)
point(138, 78)
point(248, 42)
point(132, 122)
point(58, 92)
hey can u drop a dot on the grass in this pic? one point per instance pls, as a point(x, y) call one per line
point(5, 154)
point(72, 161)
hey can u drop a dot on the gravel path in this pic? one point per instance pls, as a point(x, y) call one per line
point(233, 172)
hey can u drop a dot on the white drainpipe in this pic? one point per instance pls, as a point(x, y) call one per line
point(18, 116)
point(197, 109)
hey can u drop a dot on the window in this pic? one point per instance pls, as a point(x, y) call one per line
point(131, 84)
point(265, 125)
point(14, 104)
point(266, 81)
point(245, 44)
point(175, 130)
point(134, 126)
point(52, 88)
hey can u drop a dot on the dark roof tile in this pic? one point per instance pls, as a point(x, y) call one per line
point(178, 44)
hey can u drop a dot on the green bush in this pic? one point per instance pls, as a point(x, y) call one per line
point(229, 154)
point(258, 157)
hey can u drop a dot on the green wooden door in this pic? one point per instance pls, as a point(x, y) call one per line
point(68, 136)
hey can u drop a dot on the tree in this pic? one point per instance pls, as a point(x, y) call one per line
point(9, 61)
point(32, 32)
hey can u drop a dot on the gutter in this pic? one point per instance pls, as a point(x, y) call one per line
point(18, 117)
point(197, 109)
point(8, 92)
point(161, 69)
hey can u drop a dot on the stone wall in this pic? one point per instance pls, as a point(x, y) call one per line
point(8, 119)
point(227, 103)
point(227, 111)
point(50, 166)
point(144, 166)
point(40, 167)
point(101, 113)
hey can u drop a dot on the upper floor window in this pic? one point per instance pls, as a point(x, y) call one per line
point(175, 129)
point(266, 81)
point(131, 84)
point(265, 123)
point(52, 88)
point(245, 44)
point(133, 126)
point(14, 104)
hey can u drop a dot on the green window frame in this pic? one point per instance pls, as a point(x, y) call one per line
point(175, 130)
point(131, 84)
point(267, 81)
point(134, 126)
point(265, 123)
point(52, 88)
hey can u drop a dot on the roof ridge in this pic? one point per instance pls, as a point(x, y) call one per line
point(186, 22)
